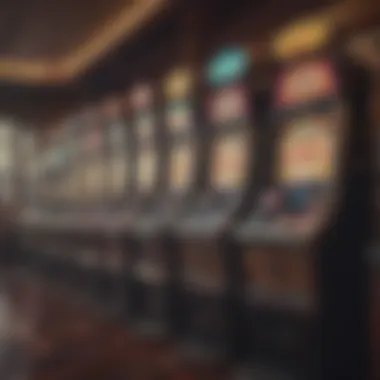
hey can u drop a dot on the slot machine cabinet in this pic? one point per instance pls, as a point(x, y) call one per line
point(54, 233)
point(119, 160)
point(304, 240)
point(159, 298)
point(57, 231)
point(76, 230)
point(92, 207)
point(204, 227)
point(148, 158)
point(68, 268)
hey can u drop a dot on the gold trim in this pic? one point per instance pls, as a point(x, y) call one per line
point(113, 32)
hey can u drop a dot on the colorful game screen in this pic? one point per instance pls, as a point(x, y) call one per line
point(180, 121)
point(308, 146)
point(145, 124)
point(228, 111)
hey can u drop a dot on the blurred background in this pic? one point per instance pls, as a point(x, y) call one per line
point(189, 190)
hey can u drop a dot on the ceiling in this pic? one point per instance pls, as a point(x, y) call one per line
point(56, 55)
point(45, 41)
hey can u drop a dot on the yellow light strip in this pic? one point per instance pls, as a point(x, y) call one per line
point(125, 24)
point(113, 32)
point(313, 32)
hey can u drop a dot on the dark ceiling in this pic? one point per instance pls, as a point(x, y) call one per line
point(50, 29)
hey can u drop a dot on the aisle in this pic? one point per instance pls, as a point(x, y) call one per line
point(48, 336)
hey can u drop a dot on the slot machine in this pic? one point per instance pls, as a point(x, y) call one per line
point(159, 298)
point(57, 166)
point(63, 239)
point(304, 239)
point(92, 169)
point(148, 160)
point(227, 166)
point(118, 146)
point(68, 270)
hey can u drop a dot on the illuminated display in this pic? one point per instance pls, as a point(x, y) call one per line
point(308, 149)
point(146, 170)
point(182, 161)
point(229, 168)
point(305, 35)
point(180, 119)
point(228, 66)
point(228, 108)
point(179, 116)
point(228, 104)
point(306, 82)
point(142, 101)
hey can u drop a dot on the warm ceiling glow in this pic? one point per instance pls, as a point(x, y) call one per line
point(113, 32)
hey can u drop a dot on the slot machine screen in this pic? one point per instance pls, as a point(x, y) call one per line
point(180, 122)
point(228, 112)
point(307, 151)
point(310, 137)
point(147, 150)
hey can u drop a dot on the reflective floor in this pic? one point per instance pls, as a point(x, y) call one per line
point(45, 334)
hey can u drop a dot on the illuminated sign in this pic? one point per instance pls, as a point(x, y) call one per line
point(179, 116)
point(306, 82)
point(178, 83)
point(228, 104)
point(228, 66)
point(303, 36)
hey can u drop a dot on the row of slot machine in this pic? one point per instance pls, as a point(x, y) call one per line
point(225, 211)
